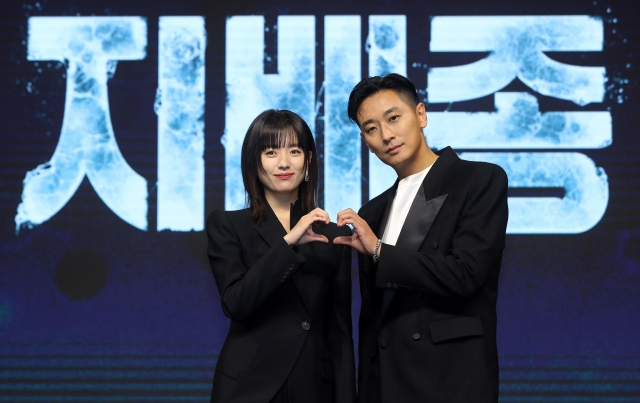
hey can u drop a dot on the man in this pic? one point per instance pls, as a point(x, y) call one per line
point(430, 253)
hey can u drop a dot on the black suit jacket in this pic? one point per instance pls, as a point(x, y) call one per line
point(290, 311)
point(432, 336)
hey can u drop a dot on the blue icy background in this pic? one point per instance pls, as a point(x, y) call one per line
point(93, 308)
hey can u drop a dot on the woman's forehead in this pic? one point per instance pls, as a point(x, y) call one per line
point(283, 139)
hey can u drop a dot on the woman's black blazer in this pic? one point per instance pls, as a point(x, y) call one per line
point(289, 306)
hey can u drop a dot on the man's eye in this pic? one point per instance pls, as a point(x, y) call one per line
point(394, 118)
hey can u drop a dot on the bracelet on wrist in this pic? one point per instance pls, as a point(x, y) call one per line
point(375, 251)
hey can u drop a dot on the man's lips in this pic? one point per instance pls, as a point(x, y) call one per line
point(283, 176)
point(394, 150)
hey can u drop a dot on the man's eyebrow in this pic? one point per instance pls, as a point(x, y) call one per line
point(366, 122)
point(388, 111)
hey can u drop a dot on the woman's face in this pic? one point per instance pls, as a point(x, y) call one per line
point(283, 170)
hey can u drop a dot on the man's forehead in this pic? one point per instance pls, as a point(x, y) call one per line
point(380, 104)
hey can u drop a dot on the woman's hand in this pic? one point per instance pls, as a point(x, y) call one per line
point(302, 232)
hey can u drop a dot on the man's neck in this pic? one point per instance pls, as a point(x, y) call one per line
point(423, 160)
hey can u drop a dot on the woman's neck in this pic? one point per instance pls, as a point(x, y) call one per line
point(281, 206)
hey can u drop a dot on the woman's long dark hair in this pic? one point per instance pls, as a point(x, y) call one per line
point(275, 129)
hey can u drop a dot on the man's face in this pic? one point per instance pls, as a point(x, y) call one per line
point(392, 129)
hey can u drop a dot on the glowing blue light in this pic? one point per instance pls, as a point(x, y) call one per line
point(342, 162)
point(518, 124)
point(250, 91)
point(516, 44)
point(586, 191)
point(387, 47)
point(180, 110)
point(87, 144)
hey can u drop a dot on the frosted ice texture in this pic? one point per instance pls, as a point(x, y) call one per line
point(91, 47)
point(87, 144)
point(519, 124)
point(586, 191)
point(387, 47)
point(250, 91)
point(180, 109)
point(516, 44)
point(342, 162)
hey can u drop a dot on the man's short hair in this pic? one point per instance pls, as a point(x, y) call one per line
point(372, 85)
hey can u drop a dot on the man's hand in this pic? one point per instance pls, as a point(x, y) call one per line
point(363, 239)
point(303, 233)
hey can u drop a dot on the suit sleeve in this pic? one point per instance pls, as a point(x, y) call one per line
point(339, 329)
point(243, 290)
point(476, 247)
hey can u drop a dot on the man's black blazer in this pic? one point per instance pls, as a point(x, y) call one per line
point(432, 336)
point(290, 311)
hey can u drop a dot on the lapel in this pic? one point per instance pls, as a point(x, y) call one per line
point(421, 215)
point(387, 209)
point(272, 231)
point(423, 211)
point(424, 208)
point(433, 182)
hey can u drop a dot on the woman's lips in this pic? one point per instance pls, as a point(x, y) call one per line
point(284, 176)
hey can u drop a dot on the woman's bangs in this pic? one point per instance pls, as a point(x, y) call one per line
point(279, 137)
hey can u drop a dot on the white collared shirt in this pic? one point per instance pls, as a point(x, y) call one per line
point(406, 192)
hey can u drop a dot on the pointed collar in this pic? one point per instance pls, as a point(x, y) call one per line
point(431, 185)
point(271, 228)
point(438, 172)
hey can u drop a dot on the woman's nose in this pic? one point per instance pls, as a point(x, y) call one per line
point(283, 162)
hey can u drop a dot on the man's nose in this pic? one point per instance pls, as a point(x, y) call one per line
point(387, 135)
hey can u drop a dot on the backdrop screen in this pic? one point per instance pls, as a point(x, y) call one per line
point(120, 130)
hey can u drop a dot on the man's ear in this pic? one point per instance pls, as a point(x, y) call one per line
point(421, 111)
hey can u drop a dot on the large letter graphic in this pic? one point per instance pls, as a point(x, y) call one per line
point(586, 191)
point(387, 47)
point(517, 44)
point(180, 109)
point(250, 91)
point(342, 164)
point(87, 145)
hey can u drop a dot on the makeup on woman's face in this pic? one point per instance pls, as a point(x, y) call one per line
point(282, 169)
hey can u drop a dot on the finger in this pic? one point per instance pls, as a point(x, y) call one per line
point(326, 216)
point(343, 212)
point(355, 220)
point(321, 216)
point(343, 240)
point(346, 220)
point(342, 217)
point(318, 238)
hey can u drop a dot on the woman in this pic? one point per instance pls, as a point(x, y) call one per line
point(283, 284)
